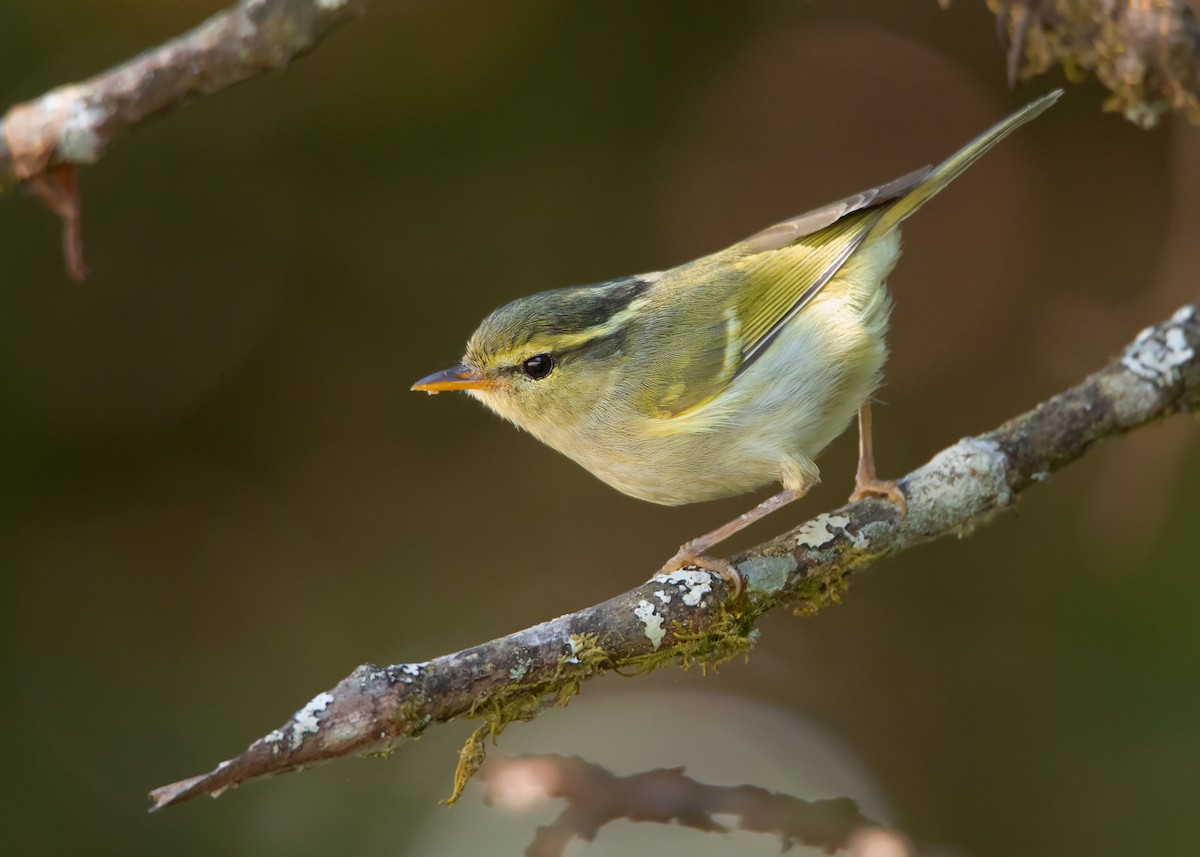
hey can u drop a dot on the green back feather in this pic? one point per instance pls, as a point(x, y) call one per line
point(781, 269)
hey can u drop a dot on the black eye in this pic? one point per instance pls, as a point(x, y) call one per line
point(538, 366)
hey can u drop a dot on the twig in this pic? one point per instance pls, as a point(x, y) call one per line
point(596, 796)
point(74, 124)
point(42, 141)
point(685, 618)
point(1146, 52)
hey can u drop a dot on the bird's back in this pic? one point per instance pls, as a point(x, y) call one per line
point(739, 367)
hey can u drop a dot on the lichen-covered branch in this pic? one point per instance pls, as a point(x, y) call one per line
point(1147, 52)
point(74, 124)
point(687, 618)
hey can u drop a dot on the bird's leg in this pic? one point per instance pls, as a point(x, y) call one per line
point(695, 551)
point(866, 483)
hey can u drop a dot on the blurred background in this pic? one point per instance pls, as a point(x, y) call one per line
point(219, 496)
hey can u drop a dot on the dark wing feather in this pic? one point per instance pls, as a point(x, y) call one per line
point(782, 234)
point(792, 261)
point(778, 271)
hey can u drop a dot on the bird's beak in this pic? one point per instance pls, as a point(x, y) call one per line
point(458, 378)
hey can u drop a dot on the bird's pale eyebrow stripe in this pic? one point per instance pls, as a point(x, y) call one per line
point(614, 323)
point(569, 341)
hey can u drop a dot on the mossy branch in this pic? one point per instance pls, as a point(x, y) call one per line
point(686, 618)
point(1146, 52)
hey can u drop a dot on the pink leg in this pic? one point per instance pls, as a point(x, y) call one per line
point(695, 551)
point(866, 484)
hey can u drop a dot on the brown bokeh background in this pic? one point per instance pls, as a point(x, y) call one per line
point(219, 496)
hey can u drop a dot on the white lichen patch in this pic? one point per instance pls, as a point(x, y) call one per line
point(823, 529)
point(74, 122)
point(651, 621)
point(519, 669)
point(693, 582)
point(79, 137)
point(406, 672)
point(662, 595)
point(965, 480)
point(307, 721)
point(1157, 358)
point(1177, 343)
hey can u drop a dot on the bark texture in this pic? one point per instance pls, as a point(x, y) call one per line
point(688, 618)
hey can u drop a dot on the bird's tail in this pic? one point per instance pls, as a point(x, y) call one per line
point(953, 167)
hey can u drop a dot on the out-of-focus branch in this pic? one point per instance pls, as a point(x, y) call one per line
point(595, 797)
point(686, 617)
point(1147, 52)
point(74, 124)
point(44, 140)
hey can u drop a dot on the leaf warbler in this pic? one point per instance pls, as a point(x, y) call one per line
point(721, 375)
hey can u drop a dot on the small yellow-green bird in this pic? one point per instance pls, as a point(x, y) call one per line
point(721, 375)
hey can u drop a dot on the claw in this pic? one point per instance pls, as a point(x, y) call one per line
point(886, 489)
point(687, 555)
point(695, 552)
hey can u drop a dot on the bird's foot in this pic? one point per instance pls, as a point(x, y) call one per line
point(866, 484)
point(886, 488)
point(696, 551)
point(688, 555)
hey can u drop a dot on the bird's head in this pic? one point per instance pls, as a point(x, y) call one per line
point(548, 360)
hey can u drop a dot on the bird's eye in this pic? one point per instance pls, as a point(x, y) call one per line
point(538, 366)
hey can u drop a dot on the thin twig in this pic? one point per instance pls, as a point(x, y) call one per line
point(685, 617)
point(74, 124)
point(44, 140)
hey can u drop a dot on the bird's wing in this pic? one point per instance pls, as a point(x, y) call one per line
point(779, 270)
point(787, 265)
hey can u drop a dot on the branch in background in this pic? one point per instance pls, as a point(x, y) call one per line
point(42, 141)
point(1146, 52)
point(595, 796)
point(686, 617)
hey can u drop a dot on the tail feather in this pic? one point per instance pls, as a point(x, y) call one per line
point(953, 167)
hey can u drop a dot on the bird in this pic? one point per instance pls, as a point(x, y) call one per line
point(721, 375)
